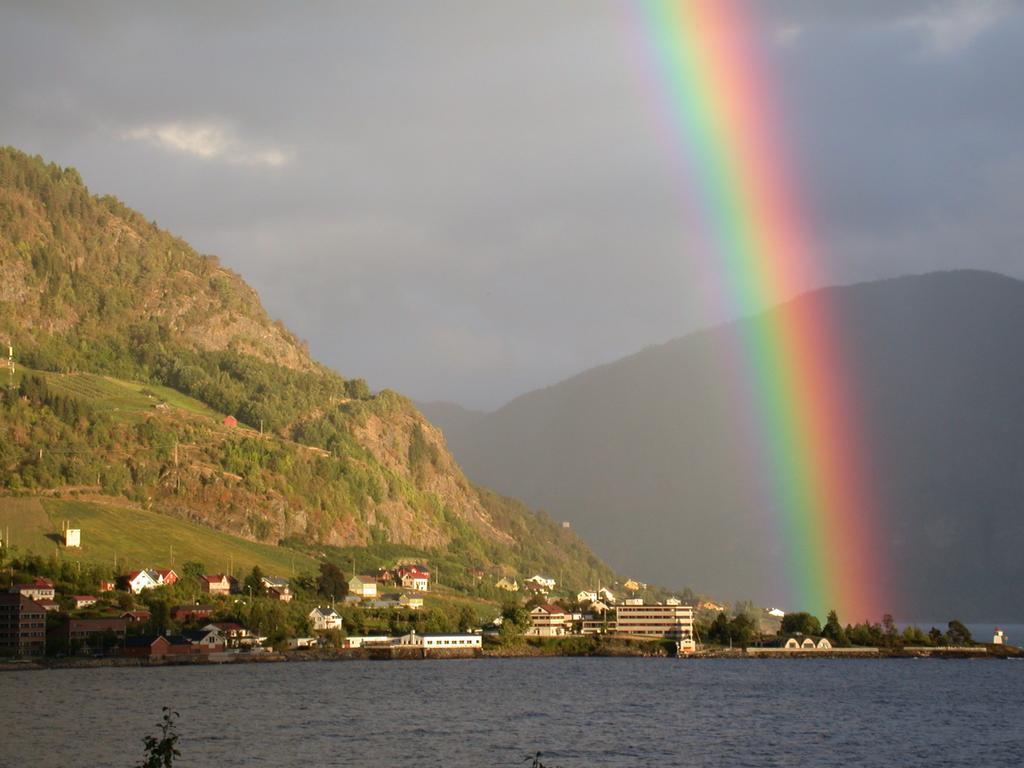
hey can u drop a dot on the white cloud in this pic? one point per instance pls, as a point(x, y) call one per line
point(787, 34)
point(952, 27)
point(210, 141)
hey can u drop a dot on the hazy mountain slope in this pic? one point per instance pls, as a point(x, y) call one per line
point(646, 455)
point(451, 417)
point(91, 287)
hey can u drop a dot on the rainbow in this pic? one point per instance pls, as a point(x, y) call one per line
point(720, 120)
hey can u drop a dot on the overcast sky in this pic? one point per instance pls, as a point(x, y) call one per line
point(466, 201)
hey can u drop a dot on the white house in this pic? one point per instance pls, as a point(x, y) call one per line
point(509, 585)
point(363, 586)
point(324, 619)
point(778, 613)
point(140, 580)
point(412, 602)
point(606, 595)
point(441, 641)
point(416, 581)
point(235, 635)
point(72, 537)
point(542, 581)
point(548, 621)
point(586, 597)
point(415, 577)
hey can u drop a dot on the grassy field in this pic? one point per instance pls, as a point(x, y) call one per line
point(139, 539)
point(104, 393)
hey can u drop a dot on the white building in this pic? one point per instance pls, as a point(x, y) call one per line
point(441, 641)
point(369, 641)
point(778, 613)
point(416, 581)
point(324, 619)
point(672, 622)
point(140, 580)
point(548, 621)
point(37, 589)
point(72, 537)
point(586, 597)
point(999, 638)
point(807, 643)
point(542, 581)
point(363, 586)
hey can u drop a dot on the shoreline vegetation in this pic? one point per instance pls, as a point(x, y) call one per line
point(618, 649)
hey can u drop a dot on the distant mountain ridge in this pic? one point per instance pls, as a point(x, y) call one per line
point(641, 455)
point(100, 303)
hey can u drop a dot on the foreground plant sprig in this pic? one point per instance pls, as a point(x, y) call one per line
point(160, 752)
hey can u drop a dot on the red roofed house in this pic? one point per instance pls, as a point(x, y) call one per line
point(83, 601)
point(415, 577)
point(136, 617)
point(167, 576)
point(230, 421)
point(548, 621)
point(107, 585)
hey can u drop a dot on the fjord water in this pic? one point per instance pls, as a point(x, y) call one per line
point(493, 712)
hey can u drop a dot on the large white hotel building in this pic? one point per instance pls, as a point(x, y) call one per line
point(669, 621)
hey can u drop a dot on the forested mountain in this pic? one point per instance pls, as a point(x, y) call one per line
point(643, 455)
point(94, 297)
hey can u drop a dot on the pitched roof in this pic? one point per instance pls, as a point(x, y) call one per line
point(141, 641)
point(549, 608)
point(325, 612)
point(228, 626)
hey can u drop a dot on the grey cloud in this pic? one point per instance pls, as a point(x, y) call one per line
point(476, 200)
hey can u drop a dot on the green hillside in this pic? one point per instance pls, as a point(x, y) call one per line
point(130, 350)
point(135, 538)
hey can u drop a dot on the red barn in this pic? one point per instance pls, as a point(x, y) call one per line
point(230, 421)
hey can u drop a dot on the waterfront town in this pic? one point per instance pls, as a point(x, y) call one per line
point(119, 619)
point(387, 611)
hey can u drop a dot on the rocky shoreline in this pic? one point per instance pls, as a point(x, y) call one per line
point(513, 652)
